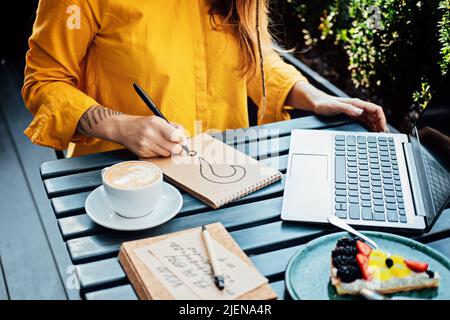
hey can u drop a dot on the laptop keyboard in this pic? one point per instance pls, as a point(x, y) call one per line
point(438, 179)
point(367, 180)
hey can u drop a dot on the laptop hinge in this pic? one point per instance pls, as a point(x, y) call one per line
point(414, 180)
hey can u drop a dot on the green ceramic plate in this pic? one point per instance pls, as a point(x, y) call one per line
point(308, 271)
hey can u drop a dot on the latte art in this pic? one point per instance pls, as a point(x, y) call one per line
point(132, 175)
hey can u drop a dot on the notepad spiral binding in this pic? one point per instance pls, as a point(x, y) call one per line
point(242, 193)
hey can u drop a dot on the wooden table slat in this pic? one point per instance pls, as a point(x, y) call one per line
point(232, 218)
point(93, 275)
point(74, 204)
point(81, 225)
point(79, 182)
point(95, 161)
point(124, 292)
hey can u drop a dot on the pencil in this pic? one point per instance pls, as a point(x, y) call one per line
point(219, 280)
point(152, 106)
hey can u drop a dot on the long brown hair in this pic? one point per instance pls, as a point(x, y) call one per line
point(240, 16)
point(248, 20)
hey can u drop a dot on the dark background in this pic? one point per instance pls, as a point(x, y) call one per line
point(16, 23)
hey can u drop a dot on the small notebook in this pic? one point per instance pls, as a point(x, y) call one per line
point(216, 173)
point(176, 266)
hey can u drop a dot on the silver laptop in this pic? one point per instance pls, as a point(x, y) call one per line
point(373, 179)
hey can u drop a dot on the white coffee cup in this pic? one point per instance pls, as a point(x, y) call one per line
point(132, 188)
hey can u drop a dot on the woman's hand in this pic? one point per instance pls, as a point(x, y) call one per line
point(305, 96)
point(151, 136)
point(145, 136)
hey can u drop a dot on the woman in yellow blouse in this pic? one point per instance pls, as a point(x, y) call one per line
point(197, 59)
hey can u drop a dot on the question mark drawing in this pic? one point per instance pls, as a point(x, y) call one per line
point(208, 173)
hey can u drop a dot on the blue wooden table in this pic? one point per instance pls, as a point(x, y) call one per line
point(254, 221)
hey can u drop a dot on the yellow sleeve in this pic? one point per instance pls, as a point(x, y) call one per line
point(280, 78)
point(62, 33)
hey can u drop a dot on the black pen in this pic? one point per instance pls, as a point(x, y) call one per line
point(152, 106)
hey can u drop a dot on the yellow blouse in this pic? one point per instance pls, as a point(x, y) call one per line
point(89, 52)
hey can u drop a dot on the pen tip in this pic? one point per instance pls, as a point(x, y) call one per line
point(220, 282)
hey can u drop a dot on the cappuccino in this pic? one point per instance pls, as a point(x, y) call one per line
point(132, 175)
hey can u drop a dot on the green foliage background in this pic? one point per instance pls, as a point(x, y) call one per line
point(393, 51)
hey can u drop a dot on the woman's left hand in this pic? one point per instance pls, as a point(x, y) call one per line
point(305, 96)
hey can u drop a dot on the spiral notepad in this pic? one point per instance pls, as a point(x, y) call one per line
point(217, 174)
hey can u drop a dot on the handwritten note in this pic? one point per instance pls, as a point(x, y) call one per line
point(186, 259)
point(168, 279)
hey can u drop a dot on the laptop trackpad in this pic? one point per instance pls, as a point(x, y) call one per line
point(307, 192)
point(309, 167)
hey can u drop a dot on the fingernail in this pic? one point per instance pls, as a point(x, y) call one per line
point(358, 111)
point(177, 149)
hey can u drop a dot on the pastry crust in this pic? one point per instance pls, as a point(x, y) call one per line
point(432, 283)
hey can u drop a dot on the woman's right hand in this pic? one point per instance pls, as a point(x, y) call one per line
point(150, 136)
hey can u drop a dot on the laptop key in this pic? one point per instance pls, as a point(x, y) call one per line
point(366, 213)
point(365, 190)
point(341, 214)
point(389, 187)
point(387, 175)
point(401, 206)
point(364, 184)
point(376, 177)
point(403, 219)
point(378, 209)
point(341, 206)
point(339, 166)
point(364, 196)
point(339, 137)
point(364, 179)
point(377, 189)
point(341, 192)
point(388, 181)
point(341, 186)
point(388, 193)
point(351, 141)
point(389, 199)
point(392, 215)
point(361, 139)
point(378, 216)
point(376, 183)
point(352, 169)
point(339, 143)
point(353, 199)
point(399, 199)
point(353, 193)
point(402, 212)
point(399, 194)
point(341, 199)
point(378, 202)
point(352, 187)
point(391, 206)
point(377, 195)
point(353, 211)
point(352, 175)
point(363, 162)
point(366, 204)
point(339, 153)
point(352, 181)
point(371, 139)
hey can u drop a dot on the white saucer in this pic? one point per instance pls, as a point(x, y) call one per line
point(101, 213)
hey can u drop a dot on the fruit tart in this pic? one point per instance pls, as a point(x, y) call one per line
point(355, 266)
